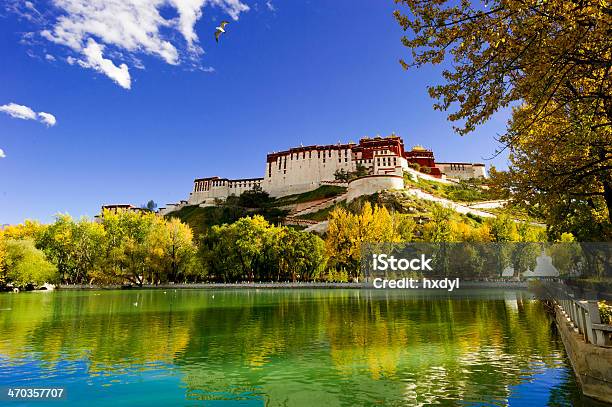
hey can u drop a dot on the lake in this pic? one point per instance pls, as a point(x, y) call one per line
point(292, 347)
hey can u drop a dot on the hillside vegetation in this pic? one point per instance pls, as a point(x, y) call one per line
point(274, 210)
point(250, 203)
point(323, 192)
point(464, 191)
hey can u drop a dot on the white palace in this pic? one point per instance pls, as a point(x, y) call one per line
point(303, 169)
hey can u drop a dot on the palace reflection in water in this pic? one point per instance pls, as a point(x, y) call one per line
point(285, 347)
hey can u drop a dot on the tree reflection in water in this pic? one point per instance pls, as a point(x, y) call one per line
point(295, 347)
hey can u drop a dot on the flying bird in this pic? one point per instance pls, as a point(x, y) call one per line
point(220, 30)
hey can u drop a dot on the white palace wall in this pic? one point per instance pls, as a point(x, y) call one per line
point(373, 183)
point(302, 171)
point(208, 189)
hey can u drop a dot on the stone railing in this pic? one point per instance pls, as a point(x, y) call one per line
point(337, 183)
point(581, 314)
point(584, 317)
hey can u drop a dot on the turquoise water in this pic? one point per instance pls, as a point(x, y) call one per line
point(283, 348)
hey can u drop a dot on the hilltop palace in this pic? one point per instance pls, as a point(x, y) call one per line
point(303, 169)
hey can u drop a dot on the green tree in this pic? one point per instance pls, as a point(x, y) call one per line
point(76, 248)
point(3, 280)
point(254, 198)
point(252, 249)
point(361, 170)
point(439, 228)
point(503, 229)
point(58, 243)
point(151, 206)
point(129, 243)
point(342, 175)
point(301, 255)
point(25, 266)
point(179, 250)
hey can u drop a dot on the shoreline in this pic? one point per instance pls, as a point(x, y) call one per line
point(286, 285)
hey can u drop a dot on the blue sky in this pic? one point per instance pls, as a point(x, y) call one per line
point(285, 73)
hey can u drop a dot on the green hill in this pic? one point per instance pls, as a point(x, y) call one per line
point(248, 204)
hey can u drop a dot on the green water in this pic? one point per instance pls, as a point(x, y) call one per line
point(283, 348)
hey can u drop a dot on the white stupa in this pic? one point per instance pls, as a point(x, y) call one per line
point(508, 271)
point(544, 267)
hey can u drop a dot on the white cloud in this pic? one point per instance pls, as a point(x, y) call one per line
point(49, 57)
point(134, 26)
point(47, 118)
point(95, 60)
point(270, 5)
point(18, 111)
point(2, 155)
point(26, 113)
point(24, 9)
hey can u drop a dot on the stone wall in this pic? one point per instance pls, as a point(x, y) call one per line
point(372, 184)
point(206, 190)
point(592, 364)
point(462, 170)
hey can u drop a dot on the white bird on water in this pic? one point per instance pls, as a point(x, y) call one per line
point(220, 30)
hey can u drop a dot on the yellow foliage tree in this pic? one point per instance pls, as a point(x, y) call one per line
point(348, 232)
point(553, 58)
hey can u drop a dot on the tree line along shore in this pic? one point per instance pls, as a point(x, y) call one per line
point(142, 248)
